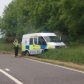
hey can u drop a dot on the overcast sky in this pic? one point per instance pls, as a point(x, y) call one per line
point(3, 4)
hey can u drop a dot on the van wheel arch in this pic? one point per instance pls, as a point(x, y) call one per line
point(26, 52)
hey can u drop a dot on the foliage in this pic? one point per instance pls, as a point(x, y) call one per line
point(6, 47)
point(26, 16)
point(73, 17)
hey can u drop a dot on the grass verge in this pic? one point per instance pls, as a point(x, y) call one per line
point(70, 54)
point(6, 47)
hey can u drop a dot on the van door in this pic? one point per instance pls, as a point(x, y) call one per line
point(37, 45)
point(42, 43)
point(34, 47)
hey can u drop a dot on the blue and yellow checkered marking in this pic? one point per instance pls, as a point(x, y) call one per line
point(27, 46)
point(43, 46)
point(31, 47)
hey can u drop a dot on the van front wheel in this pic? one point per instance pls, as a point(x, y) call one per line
point(25, 53)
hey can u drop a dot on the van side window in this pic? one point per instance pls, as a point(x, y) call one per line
point(35, 41)
point(25, 41)
point(31, 41)
point(41, 41)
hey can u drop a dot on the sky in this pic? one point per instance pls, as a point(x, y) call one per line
point(3, 4)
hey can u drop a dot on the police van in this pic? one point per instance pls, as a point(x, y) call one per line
point(36, 43)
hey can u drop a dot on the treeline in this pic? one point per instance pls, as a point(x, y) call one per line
point(26, 16)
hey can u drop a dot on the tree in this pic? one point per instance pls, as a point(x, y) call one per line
point(73, 17)
point(26, 16)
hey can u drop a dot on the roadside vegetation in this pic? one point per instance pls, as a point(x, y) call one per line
point(74, 54)
point(5, 47)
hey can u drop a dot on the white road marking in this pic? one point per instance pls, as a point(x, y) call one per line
point(7, 69)
point(56, 65)
point(11, 77)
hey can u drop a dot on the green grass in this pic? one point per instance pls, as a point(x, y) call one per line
point(6, 46)
point(70, 54)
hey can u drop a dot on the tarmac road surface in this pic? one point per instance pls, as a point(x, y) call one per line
point(26, 71)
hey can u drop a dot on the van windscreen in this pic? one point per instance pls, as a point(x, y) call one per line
point(52, 38)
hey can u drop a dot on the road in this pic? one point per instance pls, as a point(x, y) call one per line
point(26, 71)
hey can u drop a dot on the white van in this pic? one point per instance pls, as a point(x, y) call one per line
point(36, 43)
